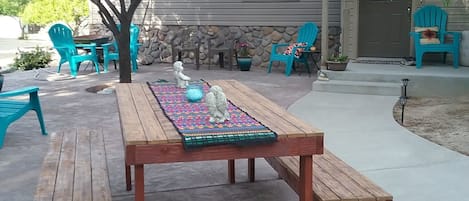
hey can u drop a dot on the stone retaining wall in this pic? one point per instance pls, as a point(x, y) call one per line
point(156, 41)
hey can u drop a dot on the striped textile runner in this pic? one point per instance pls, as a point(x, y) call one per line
point(192, 119)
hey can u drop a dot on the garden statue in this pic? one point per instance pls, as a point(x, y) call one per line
point(217, 105)
point(181, 80)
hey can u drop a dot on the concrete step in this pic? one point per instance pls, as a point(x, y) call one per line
point(358, 87)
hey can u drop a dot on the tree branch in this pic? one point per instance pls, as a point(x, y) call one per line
point(114, 10)
point(106, 17)
point(122, 6)
point(133, 6)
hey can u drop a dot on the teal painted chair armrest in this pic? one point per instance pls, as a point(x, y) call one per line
point(25, 90)
point(87, 46)
point(106, 47)
point(91, 46)
point(456, 37)
point(275, 46)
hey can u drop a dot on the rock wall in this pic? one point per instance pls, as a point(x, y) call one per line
point(156, 41)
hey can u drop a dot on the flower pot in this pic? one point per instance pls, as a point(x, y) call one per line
point(244, 63)
point(336, 66)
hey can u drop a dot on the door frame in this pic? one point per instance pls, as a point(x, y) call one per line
point(350, 21)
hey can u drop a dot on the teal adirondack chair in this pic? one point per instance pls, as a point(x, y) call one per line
point(433, 16)
point(12, 110)
point(62, 39)
point(114, 55)
point(306, 34)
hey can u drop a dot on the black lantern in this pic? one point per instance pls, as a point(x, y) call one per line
point(405, 81)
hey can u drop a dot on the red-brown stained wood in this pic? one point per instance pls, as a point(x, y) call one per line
point(294, 136)
point(333, 179)
point(175, 152)
point(306, 178)
point(46, 184)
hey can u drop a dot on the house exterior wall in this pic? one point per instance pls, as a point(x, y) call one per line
point(458, 15)
point(259, 22)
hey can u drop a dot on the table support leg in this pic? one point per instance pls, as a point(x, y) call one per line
point(128, 178)
point(306, 178)
point(251, 169)
point(231, 171)
point(139, 183)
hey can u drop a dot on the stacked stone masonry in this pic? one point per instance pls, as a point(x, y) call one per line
point(156, 41)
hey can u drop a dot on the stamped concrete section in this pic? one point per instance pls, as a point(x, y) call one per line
point(361, 130)
point(66, 104)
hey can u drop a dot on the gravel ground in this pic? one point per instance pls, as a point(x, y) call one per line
point(444, 121)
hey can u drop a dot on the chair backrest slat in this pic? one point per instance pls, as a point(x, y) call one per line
point(62, 36)
point(307, 33)
point(432, 16)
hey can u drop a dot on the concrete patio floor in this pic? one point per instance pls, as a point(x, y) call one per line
point(66, 104)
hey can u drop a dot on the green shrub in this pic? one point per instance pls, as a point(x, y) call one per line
point(37, 58)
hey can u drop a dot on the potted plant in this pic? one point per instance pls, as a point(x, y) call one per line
point(243, 59)
point(337, 63)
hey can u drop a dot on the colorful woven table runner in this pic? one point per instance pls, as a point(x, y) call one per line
point(192, 119)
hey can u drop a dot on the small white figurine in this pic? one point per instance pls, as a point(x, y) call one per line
point(181, 80)
point(217, 105)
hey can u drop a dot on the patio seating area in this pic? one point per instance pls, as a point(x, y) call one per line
point(23, 151)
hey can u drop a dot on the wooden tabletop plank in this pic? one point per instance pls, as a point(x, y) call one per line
point(82, 183)
point(153, 131)
point(240, 101)
point(308, 129)
point(99, 171)
point(265, 115)
point(66, 169)
point(46, 184)
point(132, 129)
point(170, 131)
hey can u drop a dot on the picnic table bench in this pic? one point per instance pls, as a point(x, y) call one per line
point(333, 179)
point(74, 168)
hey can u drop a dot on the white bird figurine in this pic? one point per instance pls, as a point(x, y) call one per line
point(217, 105)
point(181, 80)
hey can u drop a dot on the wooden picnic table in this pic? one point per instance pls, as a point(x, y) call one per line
point(150, 137)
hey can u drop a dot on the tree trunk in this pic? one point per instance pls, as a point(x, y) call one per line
point(124, 54)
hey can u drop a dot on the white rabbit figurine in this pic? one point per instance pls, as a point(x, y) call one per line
point(181, 80)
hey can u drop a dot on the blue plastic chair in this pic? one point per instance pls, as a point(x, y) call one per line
point(114, 55)
point(12, 110)
point(62, 39)
point(306, 34)
point(433, 16)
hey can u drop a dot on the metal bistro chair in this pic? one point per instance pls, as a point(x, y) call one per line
point(62, 39)
point(189, 41)
point(223, 48)
point(114, 54)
